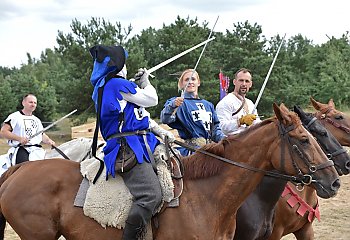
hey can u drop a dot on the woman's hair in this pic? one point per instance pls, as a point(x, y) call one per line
point(179, 83)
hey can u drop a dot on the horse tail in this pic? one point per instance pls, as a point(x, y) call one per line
point(2, 227)
point(3, 178)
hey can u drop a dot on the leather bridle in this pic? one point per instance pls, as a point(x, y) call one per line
point(322, 116)
point(293, 146)
point(337, 152)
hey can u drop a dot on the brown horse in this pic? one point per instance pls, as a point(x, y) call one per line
point(287, 220)
point(263, 201)
point(334, 120)
point(36, 198)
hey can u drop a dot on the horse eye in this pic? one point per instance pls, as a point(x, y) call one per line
point(324, 134)
point(339, 117)
point(304, 141)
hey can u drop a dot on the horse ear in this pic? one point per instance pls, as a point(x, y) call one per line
point(277, 111)
point(331, 103)
point(285, 114)
point(316, 104)
point(297, 110)
point(281, 113)
point(284, 108)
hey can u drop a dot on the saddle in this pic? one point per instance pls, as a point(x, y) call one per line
point(172, 158)
point(96, 198)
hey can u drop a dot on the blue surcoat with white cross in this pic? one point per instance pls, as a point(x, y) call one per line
point(195, 118)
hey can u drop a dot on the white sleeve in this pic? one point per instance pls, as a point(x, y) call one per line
point(152, 123)
point(146, 97)
point(12, 120)
point(228, 123)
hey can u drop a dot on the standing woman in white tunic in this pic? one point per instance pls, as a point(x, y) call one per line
point(19, 127)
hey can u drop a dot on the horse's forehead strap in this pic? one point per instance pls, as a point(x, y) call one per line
point(311, 122)
point(285, 129)
point(326, 110)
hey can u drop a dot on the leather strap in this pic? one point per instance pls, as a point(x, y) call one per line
point(60, 152)
point(240, 108)
point(124, 134)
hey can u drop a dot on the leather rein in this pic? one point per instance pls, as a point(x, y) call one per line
point(341, 150)
point(301, 179)
point(322, 116)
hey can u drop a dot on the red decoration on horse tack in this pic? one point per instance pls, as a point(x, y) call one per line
point(303, 206)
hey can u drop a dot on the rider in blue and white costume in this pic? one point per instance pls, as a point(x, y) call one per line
point(123, 111)
point(194, 118)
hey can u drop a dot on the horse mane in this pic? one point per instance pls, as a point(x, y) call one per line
point(250, 129)
point(199, 165)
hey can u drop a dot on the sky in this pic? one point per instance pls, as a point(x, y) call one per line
point(31, 26)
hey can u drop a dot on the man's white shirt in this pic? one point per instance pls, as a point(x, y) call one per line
point(226, 107)
point(24, 126)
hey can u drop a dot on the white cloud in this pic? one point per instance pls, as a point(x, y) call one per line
point(32, 26)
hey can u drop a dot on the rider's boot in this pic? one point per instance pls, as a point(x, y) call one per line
point(136, 223)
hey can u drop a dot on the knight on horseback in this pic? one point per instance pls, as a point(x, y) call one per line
point(128, 131)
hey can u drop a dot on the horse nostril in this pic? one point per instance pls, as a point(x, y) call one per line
point(336, 184)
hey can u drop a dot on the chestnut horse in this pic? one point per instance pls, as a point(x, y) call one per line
point(36, 198)
point(334, 120)
point(262, 202)
point(287, 220)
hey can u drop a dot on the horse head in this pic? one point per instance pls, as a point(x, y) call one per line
point(302, 155)
point(327, 141)
point(334, 120)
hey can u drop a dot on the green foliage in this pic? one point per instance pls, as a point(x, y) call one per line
point(32, 79)
point(7, 98)
point(60, 78)
point(74, 53)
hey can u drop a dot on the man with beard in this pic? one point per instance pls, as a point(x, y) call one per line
point(235, 110)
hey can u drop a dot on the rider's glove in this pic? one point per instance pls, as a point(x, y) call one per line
point(247, 119)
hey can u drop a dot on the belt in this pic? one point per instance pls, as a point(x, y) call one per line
point(32, 145)
point(138, 132)
point(124, 134)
